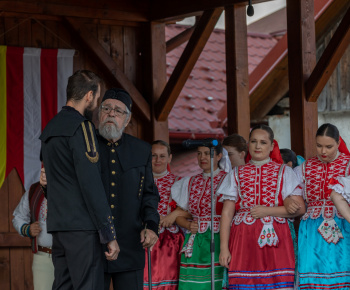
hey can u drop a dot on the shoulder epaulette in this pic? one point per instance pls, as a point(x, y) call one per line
point(90, 142)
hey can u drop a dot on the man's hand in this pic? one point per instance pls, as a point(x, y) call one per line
point(259, 211)
point(34, 229)
point(43, 180)
point(113, 250)
point(148, 238)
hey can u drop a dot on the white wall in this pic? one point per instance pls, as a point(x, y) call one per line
point(260, 10)
point(281, 126)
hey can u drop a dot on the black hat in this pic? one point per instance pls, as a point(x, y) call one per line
point(120, 95)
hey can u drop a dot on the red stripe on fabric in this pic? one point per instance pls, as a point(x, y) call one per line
point(15, 111)
point(48, 67)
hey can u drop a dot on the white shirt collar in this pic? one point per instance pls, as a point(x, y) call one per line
point(259, 163)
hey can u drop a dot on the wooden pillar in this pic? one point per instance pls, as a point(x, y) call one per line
point(301, 62)
point(156, 78)
point(237, 77)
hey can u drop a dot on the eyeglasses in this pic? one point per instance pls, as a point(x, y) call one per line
point(118, 112)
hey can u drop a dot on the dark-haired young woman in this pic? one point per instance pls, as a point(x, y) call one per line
point(193, 194)
point(324, 235)
point(258, 248)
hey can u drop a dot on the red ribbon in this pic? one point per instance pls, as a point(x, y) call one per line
point(173, 205)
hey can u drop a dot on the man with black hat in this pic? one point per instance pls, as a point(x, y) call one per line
point(79, 216)
point(131, 192)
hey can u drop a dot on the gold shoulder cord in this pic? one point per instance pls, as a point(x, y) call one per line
point(92, 159)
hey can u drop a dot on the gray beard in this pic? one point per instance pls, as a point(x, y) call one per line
point(110, 131)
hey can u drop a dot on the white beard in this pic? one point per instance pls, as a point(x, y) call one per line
point(110, 131)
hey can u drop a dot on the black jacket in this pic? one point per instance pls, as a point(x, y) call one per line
point(75, 193)
point(132, 195)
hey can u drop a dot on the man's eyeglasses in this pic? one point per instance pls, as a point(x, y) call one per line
point(118, 112)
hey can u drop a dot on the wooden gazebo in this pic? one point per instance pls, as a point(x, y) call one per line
point(124, 42)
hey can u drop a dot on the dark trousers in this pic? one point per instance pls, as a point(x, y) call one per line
point(77, 257)
point(130, 280)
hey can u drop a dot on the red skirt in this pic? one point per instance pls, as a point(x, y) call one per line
point(252, 267)
point(165, 259)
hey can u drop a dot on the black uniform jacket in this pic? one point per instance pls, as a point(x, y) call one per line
point(75, 193)
point(133, 197)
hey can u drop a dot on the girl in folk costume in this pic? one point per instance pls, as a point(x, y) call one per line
point(258, 248)
point(324, 235)
point(193, 195)
point(165, 255)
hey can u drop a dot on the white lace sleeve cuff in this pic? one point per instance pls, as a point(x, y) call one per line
point(227, 197)
point(342, 187)
point(179, 192)
point(228, 187)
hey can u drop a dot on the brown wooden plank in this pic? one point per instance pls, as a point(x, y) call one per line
point(117, 46)
point(237, 76)
point(329, 59)
point(5, 278)
point(4, 207)
point(11, 31)
point(13, 240)
point(28, 273)
point(104, 38)
point(155, 77)
point(179, 39)
point(2, 30)
point(302, 50)
point(16, 191)
point(345, 80)
point(89, 9)
point(38, 35)
point(186, 63)
point(130, 54)
point(172, 10)
point(111, 72)
point(25, 34)
point(51, 34)
point(17, 268)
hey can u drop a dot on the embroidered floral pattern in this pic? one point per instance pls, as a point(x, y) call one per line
point(330, 231)
point(188, 247)
point(268, 236)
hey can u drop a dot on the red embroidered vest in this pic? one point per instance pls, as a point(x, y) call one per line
point(200, 200)
point(164, 185)
point(258, 185)
point(317, 175)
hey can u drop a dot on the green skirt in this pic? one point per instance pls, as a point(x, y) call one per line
point(195, 272)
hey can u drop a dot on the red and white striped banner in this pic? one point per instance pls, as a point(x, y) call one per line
point(32, 90)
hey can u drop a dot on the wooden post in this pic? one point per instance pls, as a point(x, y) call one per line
point(155, 77)
point(302, 60)
point(237, 77)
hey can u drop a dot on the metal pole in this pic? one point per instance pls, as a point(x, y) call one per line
point(149, 269)
point(212, 243)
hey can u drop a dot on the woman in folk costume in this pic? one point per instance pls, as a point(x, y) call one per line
point(258, 248)
point(193, 195)
point(165, 255)
point(324, 235)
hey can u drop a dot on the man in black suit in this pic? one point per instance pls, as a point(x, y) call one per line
point(79, 216)
point(133, 197)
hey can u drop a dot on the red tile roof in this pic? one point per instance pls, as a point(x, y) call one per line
point(204, 93)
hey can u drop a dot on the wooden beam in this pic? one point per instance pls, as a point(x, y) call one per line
point(13, 240)
point(186, 63)
point(131, 10)
point(329, 60)
point(269, 76)
point(237, 77)
point(171, 10)
point(302, 50)
point(112, 73)
point(156, 78)
point(179, 39)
